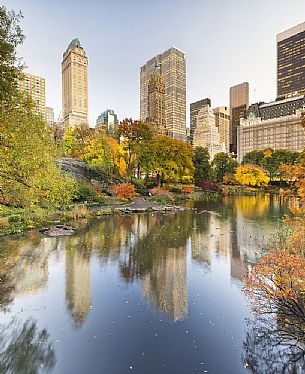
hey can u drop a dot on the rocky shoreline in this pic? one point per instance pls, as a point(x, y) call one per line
point(59, 223)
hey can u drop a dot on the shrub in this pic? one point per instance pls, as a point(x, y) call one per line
point(123, 190)
point(79, 211)
point(229, 179)
point(187, 190)
point(187, 179)
point(84, 192)
point(143, 191)
point(208, 186)
point(151, 183)
point(158, 191)
point(175, 190)
point(162, 195)
point(140, 187)
point(89, 192)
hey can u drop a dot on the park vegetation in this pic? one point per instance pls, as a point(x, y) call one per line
point(133, 160)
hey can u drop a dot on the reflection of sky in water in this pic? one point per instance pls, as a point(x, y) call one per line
point(148, 293)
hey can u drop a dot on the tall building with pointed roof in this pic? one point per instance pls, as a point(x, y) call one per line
point(172, 64)
point(75, 85)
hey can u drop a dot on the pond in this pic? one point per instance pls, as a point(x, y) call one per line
point(147, 293)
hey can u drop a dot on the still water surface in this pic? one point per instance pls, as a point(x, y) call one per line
point(145, 293)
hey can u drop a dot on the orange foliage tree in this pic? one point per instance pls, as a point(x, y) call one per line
point(123, 190)
point(276, 287)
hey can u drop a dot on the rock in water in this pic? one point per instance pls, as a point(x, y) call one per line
point(58, 230)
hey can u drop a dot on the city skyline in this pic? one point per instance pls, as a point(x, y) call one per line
point(232, 54)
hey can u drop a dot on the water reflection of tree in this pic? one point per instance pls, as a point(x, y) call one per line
point(23, 266)
point(270, 348)
point(24, 349)
point(7, 289)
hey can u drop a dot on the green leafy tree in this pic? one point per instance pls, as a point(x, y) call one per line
point(223, 164)
point(254, 158)
point(29, 174)
point(167, 158)
point(273, 160)
point(202, 164)
point(24, 348)
point(10, 65)
point(98, 154)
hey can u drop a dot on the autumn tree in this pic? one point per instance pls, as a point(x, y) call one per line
point(223, 164)
point(133, 135)
point(98, 154)
point(167, 158)
point(251, 175)
point(275, 287)
point(117, 154)
point(75, 140)
point(201, 160)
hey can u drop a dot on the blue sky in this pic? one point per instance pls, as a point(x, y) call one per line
point(226, 42)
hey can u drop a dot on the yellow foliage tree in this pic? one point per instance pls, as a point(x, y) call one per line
point(118, 155)
point(251, 175)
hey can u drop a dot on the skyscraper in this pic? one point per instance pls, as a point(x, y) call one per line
point(194, 110)
point(239, 103)
point(222, 118)
point(75, 85)
point(290, 61)
point(50, 115)
point(206, 133)
point(35, 87)
point(156, 100)
point(172, 67)
point(107, 121)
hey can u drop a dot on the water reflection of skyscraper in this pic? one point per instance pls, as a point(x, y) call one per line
point(78, 284)
point(210, 236)
point(165, 285)
point(215, 236)
point(159, 257)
